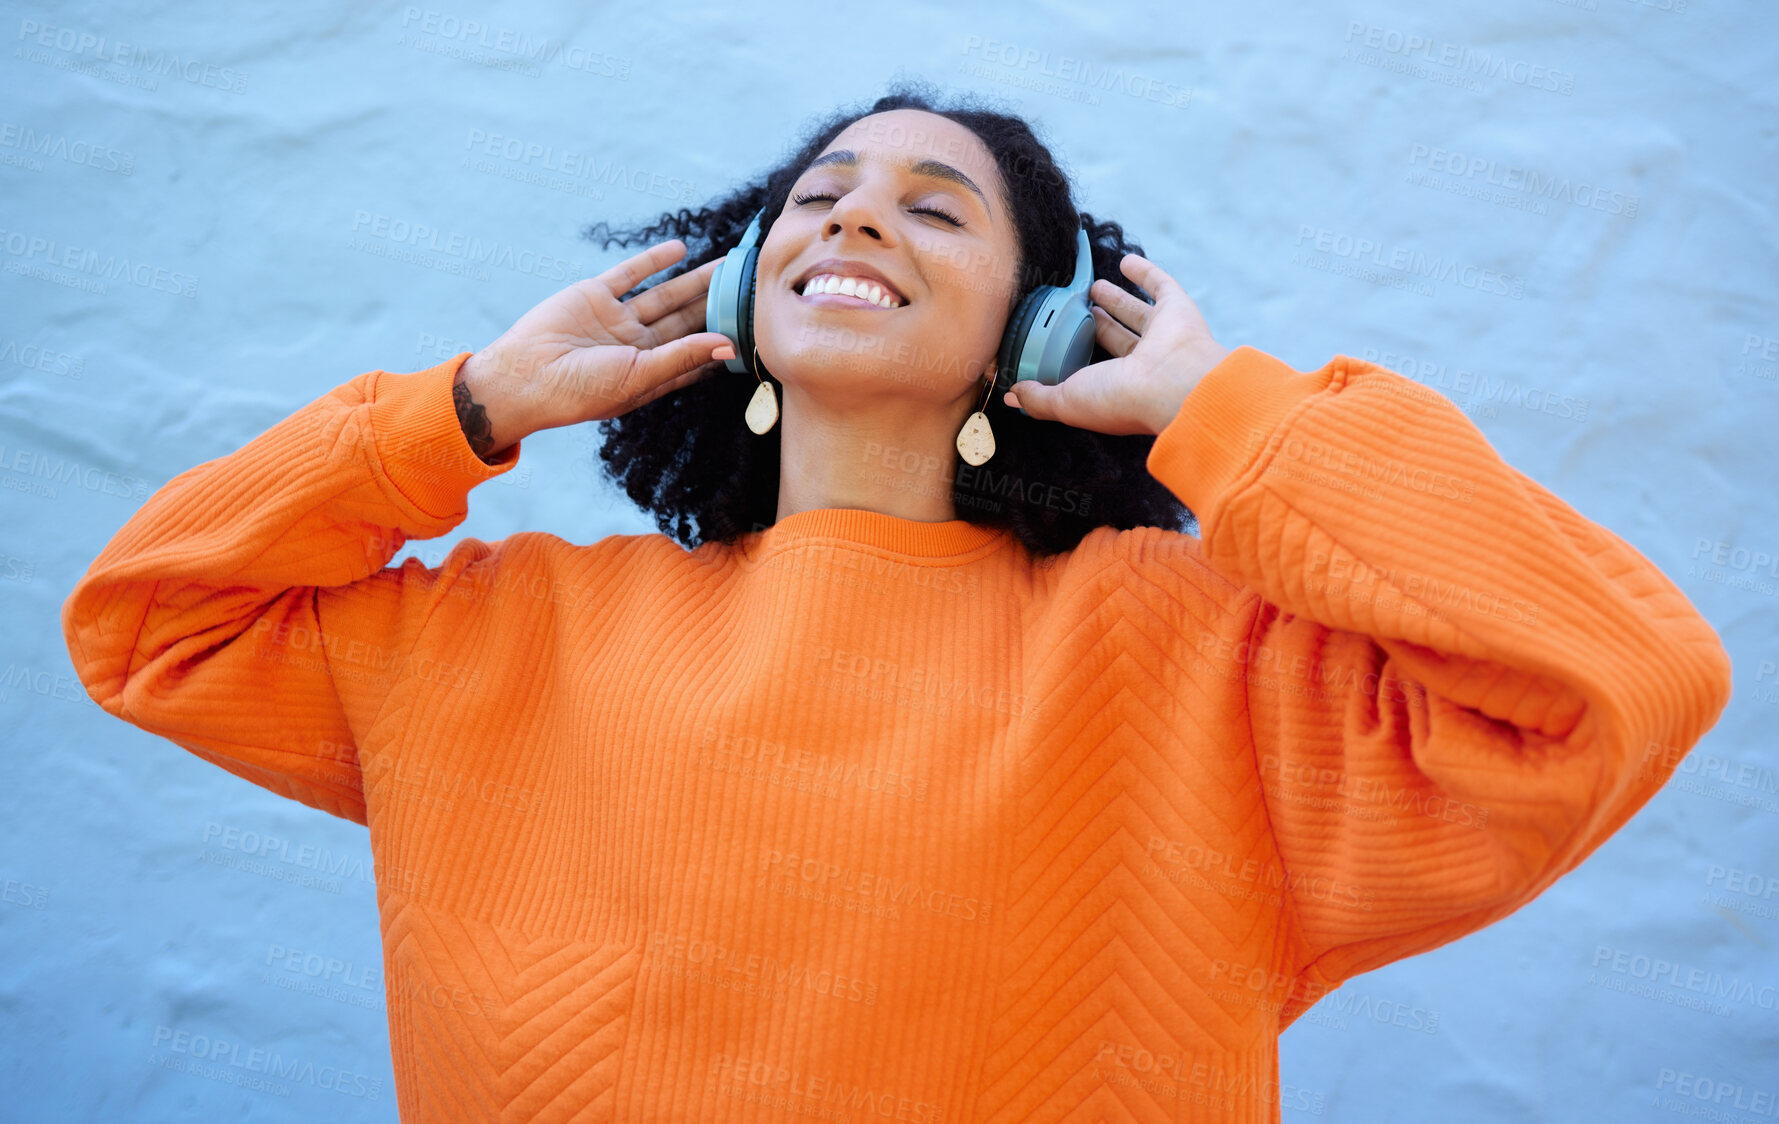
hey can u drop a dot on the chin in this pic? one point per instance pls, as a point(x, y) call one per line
point(852, 350)
point(851, 371)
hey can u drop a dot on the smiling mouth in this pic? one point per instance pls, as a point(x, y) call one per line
point(841, 300)
point(835, 291)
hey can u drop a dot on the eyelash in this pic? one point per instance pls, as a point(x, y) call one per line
point(944, 214)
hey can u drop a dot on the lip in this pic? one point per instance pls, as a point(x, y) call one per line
point(851, 268)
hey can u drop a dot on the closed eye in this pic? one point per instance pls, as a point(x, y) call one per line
point(943, 214)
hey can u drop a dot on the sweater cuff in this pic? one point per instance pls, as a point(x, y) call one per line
point(1223, 426)
point(421, 445)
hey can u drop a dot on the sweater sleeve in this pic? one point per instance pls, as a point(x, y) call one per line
point(1457, 686)
point(246, 611)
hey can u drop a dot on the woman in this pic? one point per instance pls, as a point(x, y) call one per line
point(914, 788)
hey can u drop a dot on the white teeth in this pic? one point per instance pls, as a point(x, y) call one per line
point(852, 287)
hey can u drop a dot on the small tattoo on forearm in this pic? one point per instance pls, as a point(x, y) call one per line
point(472, 416)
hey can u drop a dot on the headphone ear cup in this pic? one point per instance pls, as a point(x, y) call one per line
point(729, 303)
point(744, 317)
point(1018, 329)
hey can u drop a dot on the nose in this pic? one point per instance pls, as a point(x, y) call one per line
point(855, 210)
point(835, 226)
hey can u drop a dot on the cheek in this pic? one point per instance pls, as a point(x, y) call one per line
point(775, 316)
point(972, 314)
point(768, 273)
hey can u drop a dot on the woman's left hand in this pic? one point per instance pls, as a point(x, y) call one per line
point(1159, 352)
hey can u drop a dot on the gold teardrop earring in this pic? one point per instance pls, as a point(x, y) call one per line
point(762, 409)
point(976, 440)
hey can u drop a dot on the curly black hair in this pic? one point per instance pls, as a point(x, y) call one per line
point(687, 458)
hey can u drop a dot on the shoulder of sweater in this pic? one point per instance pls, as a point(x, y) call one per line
point(547, 550)
point(1154, 562)
point(526, 554)
point(535, 572)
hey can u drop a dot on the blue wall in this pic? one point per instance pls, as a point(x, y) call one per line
point(1602, 194)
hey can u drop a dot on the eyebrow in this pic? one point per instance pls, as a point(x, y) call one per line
point(932, 169)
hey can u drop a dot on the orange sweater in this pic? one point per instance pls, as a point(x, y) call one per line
point(867, 818)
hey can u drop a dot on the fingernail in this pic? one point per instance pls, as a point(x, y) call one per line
point(723, 351)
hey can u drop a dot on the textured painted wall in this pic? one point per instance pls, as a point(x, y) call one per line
point(1560, 213)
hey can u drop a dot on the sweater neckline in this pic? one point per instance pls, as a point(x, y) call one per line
point(930, 541)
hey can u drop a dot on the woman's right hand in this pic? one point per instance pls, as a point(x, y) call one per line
point(585, 355)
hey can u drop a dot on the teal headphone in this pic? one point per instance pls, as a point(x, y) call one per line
point(1048, 338)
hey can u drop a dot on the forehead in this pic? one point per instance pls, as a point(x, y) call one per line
point(905, 134)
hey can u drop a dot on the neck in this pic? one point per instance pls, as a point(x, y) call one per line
point(895, 456)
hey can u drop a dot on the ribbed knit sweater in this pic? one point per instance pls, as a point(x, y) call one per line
point(862, 818)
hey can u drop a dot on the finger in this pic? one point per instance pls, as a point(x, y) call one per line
point(1123, 306)
point(671, 361)
point(1032, 396)
point(650, 374)
point(1150, 277)
point(653, 303)
point(681, 322)
point(1036, 399)
point(696, 374)
point(637, 268)
point(635, 321)
point(1113, 336)
point(1081, 407)
point(603, 292)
